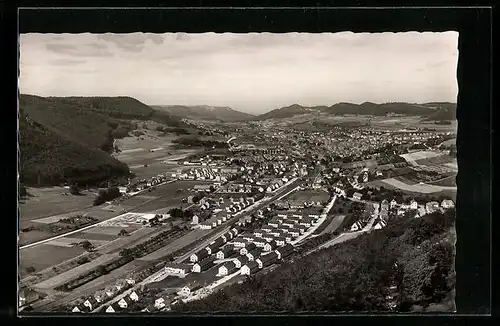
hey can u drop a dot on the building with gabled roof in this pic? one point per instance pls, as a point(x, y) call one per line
point(203, 265)
point(266, 260)
point(250, 268)
point(254, 254)
point(284, 251)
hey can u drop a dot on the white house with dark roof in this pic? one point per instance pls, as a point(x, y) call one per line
point(226, 269)
point(110, 309)
point(203, 265)
point(240, 261)
point(447, 204)
point(203, 253)
point(266, 260)
point(179, 270)
point(254, 254)
point(250, 268)
point(247, 249)
point(225, 252)
point(284, 251)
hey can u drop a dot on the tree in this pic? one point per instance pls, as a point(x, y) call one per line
point(22, 191)
point(123, 233)
point(73, 189)
point(30, 269)
point(87, 245)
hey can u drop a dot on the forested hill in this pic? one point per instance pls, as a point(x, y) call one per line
point(48, 158)
point(431, 111)
point(416, 256)
point(66, 137)
point(205, 112)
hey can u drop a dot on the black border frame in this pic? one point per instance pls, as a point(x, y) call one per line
point(474, 113)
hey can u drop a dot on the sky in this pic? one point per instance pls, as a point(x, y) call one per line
point(254, 72)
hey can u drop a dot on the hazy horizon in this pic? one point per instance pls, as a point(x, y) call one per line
point(253, 73)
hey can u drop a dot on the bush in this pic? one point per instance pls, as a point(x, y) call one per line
point(82, 260)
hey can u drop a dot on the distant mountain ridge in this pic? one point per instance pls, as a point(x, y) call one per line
point(205, 112)
point(432, 111)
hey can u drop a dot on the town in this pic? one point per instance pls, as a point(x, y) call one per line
point(241, 210)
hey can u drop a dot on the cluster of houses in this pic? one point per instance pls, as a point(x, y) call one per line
point(233, 206)
point(213, 174)
point(144, 183)
point(100, 297)
point(420, 210)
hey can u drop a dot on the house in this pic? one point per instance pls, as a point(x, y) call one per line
point(225, 252)
point(110, 309)
point(384, 205)
point(284, 251)
point(254, 254)
point(228, 235)
point(267, 260)
point(258, 233)
point(281, 241)
point(431, 207)
point(123, 304)
point(393, 203)
point(76, 309)
point(159, 303)
point(413, 204)
point(273, 223)
point(357, 196)
point(268, 237)
point(267, 228)
point(89, 303)
point(357, 226)
point(203, 265)
point(251, 246)
point(302, 229)
point(380, 224)
point(259, 242)
point(188, 289)
point(294, 232)
point(179, 270)
point(306, 223)
point(250, 268)
point(133, 296)
point(240, 261)
point(203, 253)
point(447, 203)
point(421, 211)
point(227, 269)
point(27, 296)
point(239, 242)
point(248, 238)
point(270, 246)
point(234, 231)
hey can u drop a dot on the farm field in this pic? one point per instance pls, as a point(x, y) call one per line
point(420, 155)
point(334, 224)
point(140, 235)
point(446, 182)
point(33, 236)
point(68, 242)
point(308, 195)
point(436, 160)
point(45, 255)
point(74, 272)
point(175, 245)
point(44, 202)
point(420, 188)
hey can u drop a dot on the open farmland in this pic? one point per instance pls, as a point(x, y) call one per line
point(420, 155)
point(43, 202)
point(45, 255)
point(308, 195)
point(333, 225)
point(175, 245)
point(419, 188)
point(74, 272)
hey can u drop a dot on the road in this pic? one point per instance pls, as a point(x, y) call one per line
point(92, 225)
